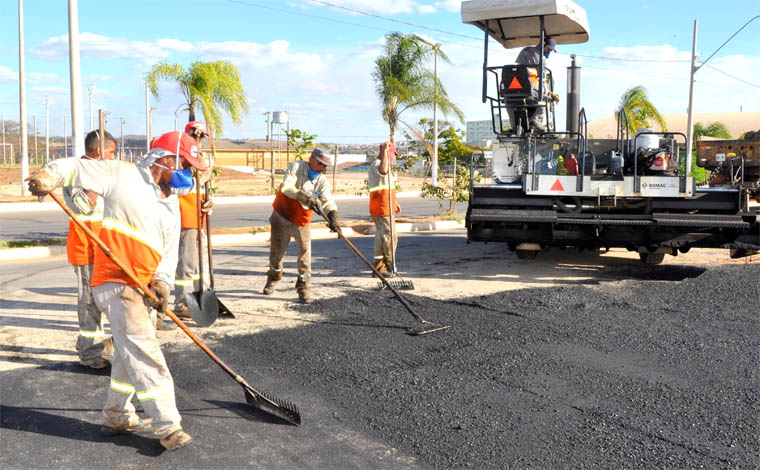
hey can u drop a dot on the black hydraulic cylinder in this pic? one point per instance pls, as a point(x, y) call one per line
point(573, 95)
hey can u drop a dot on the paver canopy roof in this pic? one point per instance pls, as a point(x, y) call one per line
point(516, 23)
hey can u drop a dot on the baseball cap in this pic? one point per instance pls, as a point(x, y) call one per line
point(197, 125)
point(177, 143)
point(321, 156)
point(391, 149)
point(551, 43)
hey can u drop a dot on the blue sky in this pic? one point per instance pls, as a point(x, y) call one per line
point(315, 61)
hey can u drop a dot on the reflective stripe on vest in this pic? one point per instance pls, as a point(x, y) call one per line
point(133, 247)
point(291, 209)
point(378, 201)
point(122, 387)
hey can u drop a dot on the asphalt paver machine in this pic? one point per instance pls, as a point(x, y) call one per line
point(550, 188)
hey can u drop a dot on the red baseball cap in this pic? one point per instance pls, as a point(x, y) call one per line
point(197, 125)
point(177, 143)
point(391, 149)
point(321, 156)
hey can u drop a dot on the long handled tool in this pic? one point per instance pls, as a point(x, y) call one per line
point(203, 305)
point(266, 403)
point(412, 331)
point(400, 284)
point(224, 312)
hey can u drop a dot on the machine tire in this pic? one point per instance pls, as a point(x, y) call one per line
point(527, 254)
point(651, 258)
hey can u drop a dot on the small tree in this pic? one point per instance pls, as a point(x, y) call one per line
point(301, 141)
point(714, 129)
point(451, 191)
point(640, 109)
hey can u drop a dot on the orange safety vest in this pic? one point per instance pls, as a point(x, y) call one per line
point(79, 248)
point(291, 209)
point(132, 247)
point(378, 202)
point(188, 210)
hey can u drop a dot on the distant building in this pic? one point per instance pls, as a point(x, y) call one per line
point(478, 132)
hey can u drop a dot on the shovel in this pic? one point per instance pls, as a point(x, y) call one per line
point(266, 403)
point(224, 312)
point(203, 305)
point(401, 284)
point(423, 330)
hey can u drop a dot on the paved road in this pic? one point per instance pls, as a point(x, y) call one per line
point(53, 224)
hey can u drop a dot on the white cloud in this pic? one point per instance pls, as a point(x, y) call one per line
point(387, 7)
point(103, 47)
point(7, 75)
point(450, 5)
point(426, 9)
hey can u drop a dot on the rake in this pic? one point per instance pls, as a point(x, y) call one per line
point(274, 406)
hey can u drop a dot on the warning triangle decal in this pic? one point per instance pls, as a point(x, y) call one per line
point(557, 186)
point(514, 84)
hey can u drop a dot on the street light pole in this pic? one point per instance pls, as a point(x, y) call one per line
point(434, 169)
point(65, 139)
point(77, 136)
point(150, 124)
point(267, 113)
point(90, 92)
point(36, 153)
point(121, 147)
point(22, 99)
point(147, 114)
point(48, 102)
point(3, 115)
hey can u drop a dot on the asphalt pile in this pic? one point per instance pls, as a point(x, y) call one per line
point(636, 373)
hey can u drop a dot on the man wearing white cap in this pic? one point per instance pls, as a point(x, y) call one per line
point(530, 56)
point(141, 229)
point(303, 188)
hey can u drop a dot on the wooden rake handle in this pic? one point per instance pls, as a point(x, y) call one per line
point(146, 292)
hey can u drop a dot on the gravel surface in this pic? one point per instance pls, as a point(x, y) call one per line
point(636, 373)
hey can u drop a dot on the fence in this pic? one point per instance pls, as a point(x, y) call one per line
point(257, 159)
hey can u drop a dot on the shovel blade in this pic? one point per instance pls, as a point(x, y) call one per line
point(280, 408)
point(203, 307)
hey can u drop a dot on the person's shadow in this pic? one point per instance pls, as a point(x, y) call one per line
point(33, 421)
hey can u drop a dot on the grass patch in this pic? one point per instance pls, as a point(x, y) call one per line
point(31, 243)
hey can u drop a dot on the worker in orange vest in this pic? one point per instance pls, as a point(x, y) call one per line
point(94, 348)
point(303, 188)
point(379, 208)
point(187, 276)
point(140, 228)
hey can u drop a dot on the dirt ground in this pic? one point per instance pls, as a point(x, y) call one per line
point(228, 183)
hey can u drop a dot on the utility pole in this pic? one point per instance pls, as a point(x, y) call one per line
point(434, 169)
point(77, 136)
point(90, 92)
point(48, 102)
point(147, 114)
point(22, 99)
point(3, 138)
point(65, 139)
point(150, 124)
point(267, 113)
point(690, 117)
point(36, 153)
point(121, 147)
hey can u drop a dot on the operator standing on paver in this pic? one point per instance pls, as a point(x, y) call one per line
point(187, 277)
point(93, 347)
point(141, 228)
point(530, 56)
point(303, 188)
point(379, 208)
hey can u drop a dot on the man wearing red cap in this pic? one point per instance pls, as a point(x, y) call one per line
point(141, 228)
point(380, 181)
point(187, 277)
point(303, 188)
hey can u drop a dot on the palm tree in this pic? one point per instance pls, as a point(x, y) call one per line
point(208, 87)
point(402, 80)
point(639, 109)
point(714, 129)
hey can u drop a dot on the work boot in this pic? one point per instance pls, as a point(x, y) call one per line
point(175, 440)
point(272, 278)
point(108, 347)
point(537, 126)
point(182, 311)
point(304, 292)
point(135, 426)
point(388, 267)
point(98, 362)
point(164, 323)
point(380, 266)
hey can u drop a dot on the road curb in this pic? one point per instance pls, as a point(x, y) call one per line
point(38, 252)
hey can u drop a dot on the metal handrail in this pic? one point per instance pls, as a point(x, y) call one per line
point(636, 177)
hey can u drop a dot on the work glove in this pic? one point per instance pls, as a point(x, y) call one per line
point(553, 96)
point(44, 180)
point(207, 206)
point(204, 176)
point(332, 221)
point(307, 200)
point(161, 291)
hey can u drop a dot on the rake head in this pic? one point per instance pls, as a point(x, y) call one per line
point(399, 284)
point(274, 406)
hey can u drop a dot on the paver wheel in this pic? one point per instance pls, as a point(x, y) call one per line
point(527, 254)
point(652, 258)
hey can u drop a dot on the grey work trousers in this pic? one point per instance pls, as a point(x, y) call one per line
point(281, 231)
point(383, 248)
point(91, 335)
point(187, 278)
point(138, 366)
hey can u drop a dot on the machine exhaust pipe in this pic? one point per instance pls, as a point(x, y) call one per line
point(573, 96)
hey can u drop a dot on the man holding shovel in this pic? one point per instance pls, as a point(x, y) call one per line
point(141, 228)
point(92, 345)
point(303, 188)
point(186, 279)
point(381, 181)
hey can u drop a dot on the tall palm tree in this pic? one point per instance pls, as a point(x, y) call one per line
point(403, 81)
point(208, 87)
point(639, 109)
point(714, 129)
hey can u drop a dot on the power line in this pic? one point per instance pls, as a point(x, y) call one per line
point(735, 78)
point(626, 60)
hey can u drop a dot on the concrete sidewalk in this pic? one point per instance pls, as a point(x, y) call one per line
point(39, 252)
